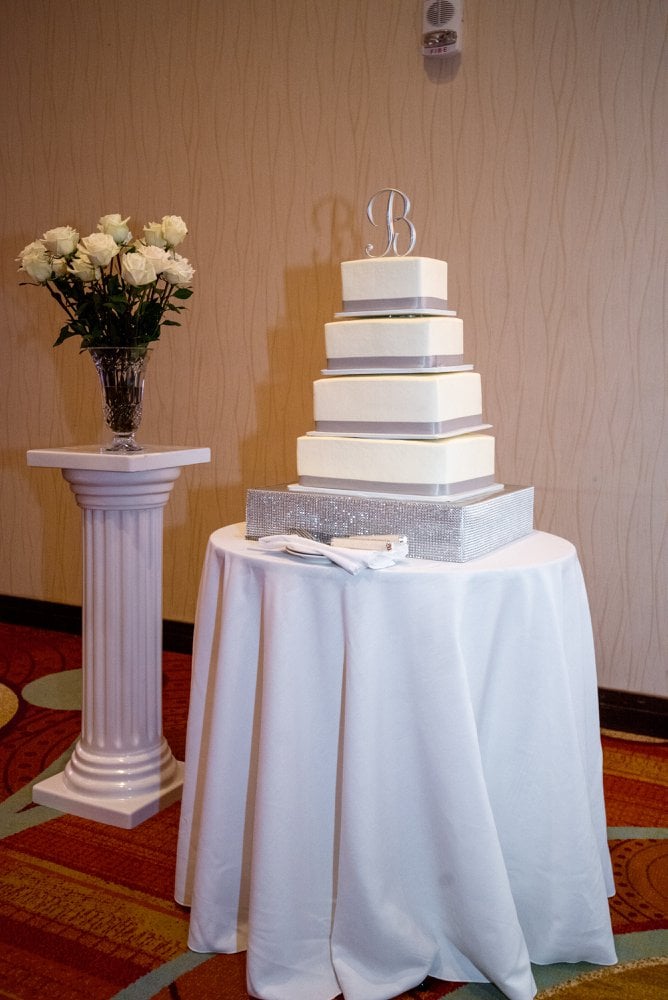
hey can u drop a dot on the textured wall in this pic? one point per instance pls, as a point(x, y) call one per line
point(536, 167)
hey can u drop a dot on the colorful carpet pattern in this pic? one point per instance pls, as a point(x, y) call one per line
point(87, 910)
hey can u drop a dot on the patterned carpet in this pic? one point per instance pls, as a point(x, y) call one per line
point(87, 912)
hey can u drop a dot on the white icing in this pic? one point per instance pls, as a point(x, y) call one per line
point(397, 398)
point(387, 337)
point(387, 278)
point(379, 453)
point(453, 460)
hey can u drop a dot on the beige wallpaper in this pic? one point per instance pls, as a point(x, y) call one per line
point(536, 166)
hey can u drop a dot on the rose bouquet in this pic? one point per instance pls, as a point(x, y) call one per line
point(117, 291)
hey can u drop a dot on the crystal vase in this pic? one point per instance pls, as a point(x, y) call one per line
point(121, 371)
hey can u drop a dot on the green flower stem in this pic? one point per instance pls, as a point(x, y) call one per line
point(62, 302)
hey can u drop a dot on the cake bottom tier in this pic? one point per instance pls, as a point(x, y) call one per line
point(440, 467)
point(444, 530)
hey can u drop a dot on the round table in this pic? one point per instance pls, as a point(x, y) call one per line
point(394, 774)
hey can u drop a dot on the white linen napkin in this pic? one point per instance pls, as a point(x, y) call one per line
point(352, 560)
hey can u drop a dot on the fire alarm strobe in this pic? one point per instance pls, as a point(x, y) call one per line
point(442, 27)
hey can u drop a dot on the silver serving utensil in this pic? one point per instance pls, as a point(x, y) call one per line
point(303, 533)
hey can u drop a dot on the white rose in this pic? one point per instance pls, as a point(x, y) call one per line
point(61, 241)
point(81, 268)
point(36, 247)
point(174, 230)
point(59, 265)
point(137, 270)
point(153, 234)
point(157, 256)
point(35, 261)
point(179, 272)
point(100, 248)
point(116, 227)
point(40, 270)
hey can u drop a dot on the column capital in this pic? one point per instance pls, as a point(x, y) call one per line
point(121, 490)
point(94, 458)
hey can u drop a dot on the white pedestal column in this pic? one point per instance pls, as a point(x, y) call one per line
point(122, 770)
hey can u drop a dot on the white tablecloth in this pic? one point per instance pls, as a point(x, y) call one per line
point(394, 774)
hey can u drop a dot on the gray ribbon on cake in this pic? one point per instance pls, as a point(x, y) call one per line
point(352, 560)
point(388, 306)
point(396, 361)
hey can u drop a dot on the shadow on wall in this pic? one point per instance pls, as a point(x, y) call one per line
point(284, 403)
point(296, 349)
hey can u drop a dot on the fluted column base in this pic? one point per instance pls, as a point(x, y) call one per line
point(99, 805)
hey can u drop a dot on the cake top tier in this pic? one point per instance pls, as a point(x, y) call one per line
point(395, 285)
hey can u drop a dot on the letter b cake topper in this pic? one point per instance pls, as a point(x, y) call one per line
point(390, 218)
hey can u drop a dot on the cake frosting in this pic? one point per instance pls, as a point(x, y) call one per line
point(417, 468)
point(398, 445)
point(398, 405)
point(388, 423)
point(421, 342)
point(390, 284)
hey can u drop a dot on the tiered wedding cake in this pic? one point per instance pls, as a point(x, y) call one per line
point(399, 446)
point(398, 412)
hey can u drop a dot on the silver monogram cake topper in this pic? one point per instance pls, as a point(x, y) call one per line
point(390, 219)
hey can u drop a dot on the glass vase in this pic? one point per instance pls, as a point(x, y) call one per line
point(121, 371)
